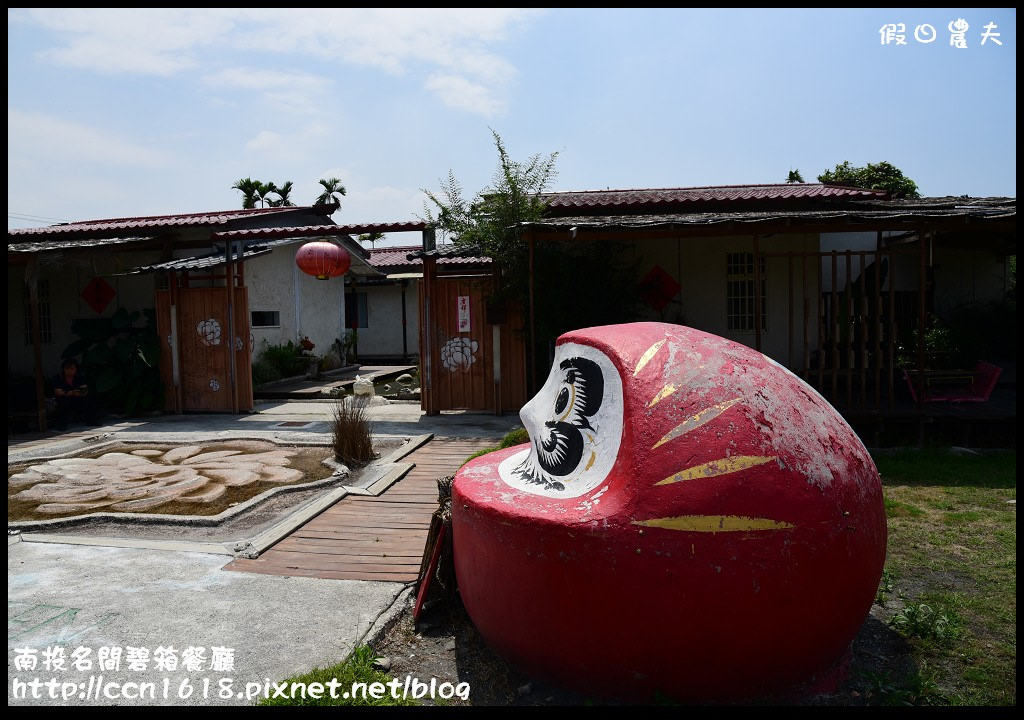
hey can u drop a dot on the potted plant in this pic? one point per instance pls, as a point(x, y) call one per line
point(307, 345)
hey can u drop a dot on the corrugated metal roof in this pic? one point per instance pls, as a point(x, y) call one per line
point(366, 229)
point(272, 237)
point(77, 243)
point(360, 265)
point(202, 262)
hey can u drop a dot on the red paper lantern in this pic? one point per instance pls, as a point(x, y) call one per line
point(323, 260)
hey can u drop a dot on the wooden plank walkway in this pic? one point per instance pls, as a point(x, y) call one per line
point(371, 538)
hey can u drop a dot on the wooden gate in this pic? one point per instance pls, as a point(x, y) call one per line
point(200, 342)
point(847, 315)
point(473, 355)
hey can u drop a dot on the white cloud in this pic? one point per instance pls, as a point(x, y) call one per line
point(295, 145)
point(381, 205)
point(463, 94)
point(166, 41)
point(62, 142)
point(161, 41)
point(253, 78)
point(265, 142)
point(296, 93)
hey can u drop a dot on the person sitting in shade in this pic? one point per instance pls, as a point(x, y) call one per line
point(73, 396)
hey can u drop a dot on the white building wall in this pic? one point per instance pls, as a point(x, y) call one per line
point(382, 338)
point(305, 306)
point(699, 265)
point(967, 278)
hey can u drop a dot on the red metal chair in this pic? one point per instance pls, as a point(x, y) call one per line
point(984, 383)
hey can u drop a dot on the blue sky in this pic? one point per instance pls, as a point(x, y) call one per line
point(115, 113)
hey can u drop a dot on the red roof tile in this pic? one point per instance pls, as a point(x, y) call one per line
point(397, 257)
point(653, 198)
point(394, 256)
point(152, 222)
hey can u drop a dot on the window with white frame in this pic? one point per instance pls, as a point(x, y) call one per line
point(265, 318)
point(739, 279)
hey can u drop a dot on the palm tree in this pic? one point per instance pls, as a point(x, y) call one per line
point(332, 187)
point(253, 192)
point(283, 192)
point(248, 188)
point(371, 238)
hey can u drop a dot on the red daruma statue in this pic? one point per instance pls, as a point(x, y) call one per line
point(689, 519)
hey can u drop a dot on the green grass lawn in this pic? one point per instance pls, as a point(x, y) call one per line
point(950, 582)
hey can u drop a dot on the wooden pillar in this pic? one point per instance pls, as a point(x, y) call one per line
point(877, 324)
point(405, 333)
point(833, 323)
point(806, 316)
point(428, 385)
point(32, 281)
point(246, 403)
point(497, 358)
point(178, 403)
point(229, 346)
point(789, 334)
point(757, 296)
point(922, 315)
point(891, 344)
point(847, 320)
point(533, 324)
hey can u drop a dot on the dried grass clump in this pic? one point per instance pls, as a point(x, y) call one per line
point(352, 442)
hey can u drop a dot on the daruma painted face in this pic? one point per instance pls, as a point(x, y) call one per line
point(575, 425)
point(689, 518)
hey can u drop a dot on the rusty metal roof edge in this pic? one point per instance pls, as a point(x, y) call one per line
point(449, 251)
point(668, 220)
point(198, 262)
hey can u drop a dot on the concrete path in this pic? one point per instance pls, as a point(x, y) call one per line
point(77, 602)
point(74, 599)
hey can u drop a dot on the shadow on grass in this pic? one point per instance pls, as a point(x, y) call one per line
point(947, 467)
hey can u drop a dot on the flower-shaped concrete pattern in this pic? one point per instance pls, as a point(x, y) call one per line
point(143, 479)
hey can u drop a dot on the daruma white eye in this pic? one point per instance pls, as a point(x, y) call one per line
point(575, 426)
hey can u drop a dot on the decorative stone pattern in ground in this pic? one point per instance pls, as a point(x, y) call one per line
point(147, 478)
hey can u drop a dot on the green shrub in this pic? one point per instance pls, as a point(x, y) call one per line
point(512, 438)
point(922, 621)
point(882, 689)
point(274, 362)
